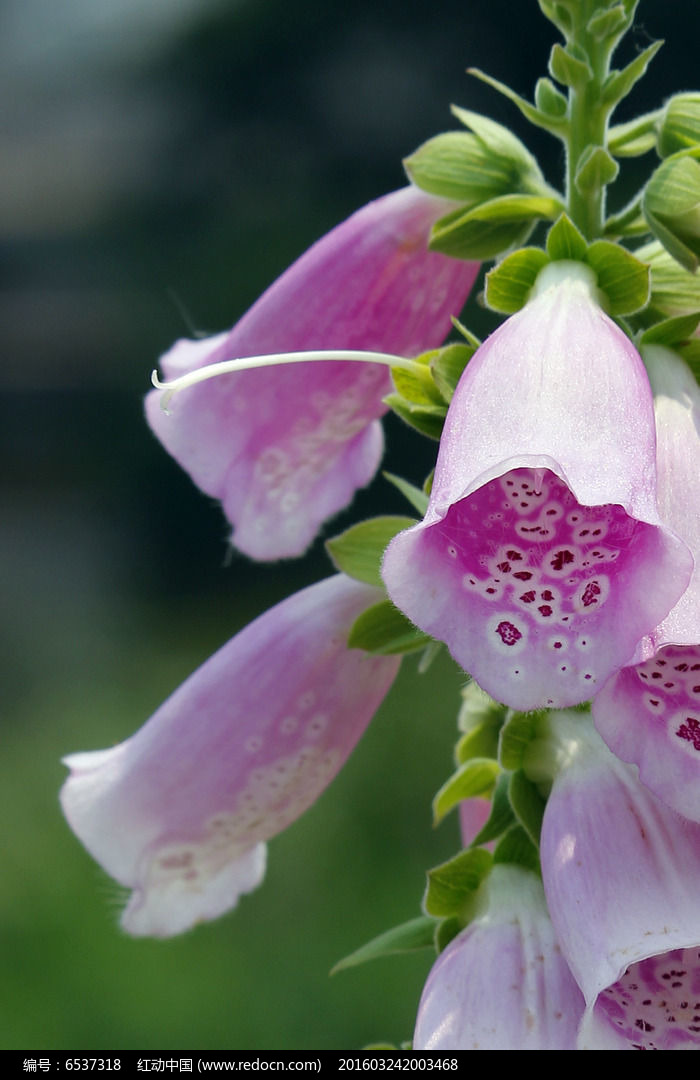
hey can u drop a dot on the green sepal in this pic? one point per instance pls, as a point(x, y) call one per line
point(567, 69)
point(446, 931)
point(517, 847)
point(500, 141)
point(519, 730)
point(595, 170)
point(679, 128)
point(558, 13)
point(501, 816)
point(358, 551)
point(409, 937)
point(564, 241)
point(625, 280)
point(674, 291)
point(619, 83)
point(541, 119)
point(492, 227)
point(635, 137)
point(417, 498)
point(609, 24)
point(384, 630)
point(417, 386)
point(508, 285)
point(671, 205)
point(428, 419)
point(459, 166)
point(629, 221)
point(478, 708)
point(550, 100)
point(480, 742)
point(447, 367)
point(452, 886)
point(527, 804)
point(475, 777)
point(672, 332)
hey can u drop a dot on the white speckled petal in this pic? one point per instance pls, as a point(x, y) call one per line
point(542, 561)
point(286, 447)
point(180, 812)
point(502, 984)
point(622, 878)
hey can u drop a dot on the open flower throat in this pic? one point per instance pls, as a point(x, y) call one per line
point(541, 569)
point(656, 1003)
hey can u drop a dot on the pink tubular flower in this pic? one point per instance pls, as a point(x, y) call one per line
point(286, 449)
point(622, 878)
point(180, 811)
point(502, 984)
point(649, 713)
point(541, 561)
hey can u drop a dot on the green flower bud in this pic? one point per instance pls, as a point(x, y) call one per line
point(674, 292)
point(671, 206)
point(679, 128)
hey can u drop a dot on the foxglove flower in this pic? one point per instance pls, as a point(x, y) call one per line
point(502, 983)
point(542, 561)
point(285, 449)
point(622, 878)
point(180, 812)
point(649, 713)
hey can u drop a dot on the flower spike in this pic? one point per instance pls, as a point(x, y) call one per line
point(542, 561)
point(285, 450)
point(180, 812)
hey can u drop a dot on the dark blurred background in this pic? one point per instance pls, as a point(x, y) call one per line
point(162, 162)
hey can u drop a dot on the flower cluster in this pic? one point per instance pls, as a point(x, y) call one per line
point(557, 558)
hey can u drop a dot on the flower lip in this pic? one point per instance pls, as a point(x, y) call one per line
point(555, 407)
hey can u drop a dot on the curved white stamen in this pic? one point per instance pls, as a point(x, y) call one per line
point(246, 363)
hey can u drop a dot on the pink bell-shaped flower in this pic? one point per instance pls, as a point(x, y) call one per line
point(502, 984)
point(649, 713)
point(284, 449)
point(622, 878)
point(180, 812)
point(541, 561)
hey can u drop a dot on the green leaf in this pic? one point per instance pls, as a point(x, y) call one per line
point(481, 741)
point(549, 100)
point(384, 630)
point(452, 885)
point(409, 937)
point(417, 498)
point(428, 419)
point(609, 24)
point(533, 114)
point(619, 83)
point(527, 804)
point(625, 280)
point(417, 386)
point(595, 170)
point(490, 228)
point(671, 332)
point(517, 847)
point(564, 241)
point(475, 777)
point(519, 730)
point(566, 69)
point(358, 551)
point(501, 816)
point(508, 285)
point(447, 367)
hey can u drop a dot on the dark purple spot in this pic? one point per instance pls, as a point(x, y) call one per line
point(504, 567)
point(590, 593)
point(544, 609)
point(561, 559)
point(509, 634)
point(514, 556)
point(690, 731)
point(523, 575)
point(528, 597)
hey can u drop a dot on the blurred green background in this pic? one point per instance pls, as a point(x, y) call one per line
point(162, 162)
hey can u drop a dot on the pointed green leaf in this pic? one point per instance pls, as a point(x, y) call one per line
point(671, 332)
point(447, 367)
point(452, 885)
point(517, 847)
point(596, 169)
point(533, 114)
point(625, 280)
point(428, 419)
point(519, 730)
point(549, 100)
point(508, 285)
point(566, 69)
point(501, 816)
point(490, 228)
point(358, 551)
point(564, 241)
point(417, 386)
point(527, 804)
point(475, 777)
point(619, 83)
point(384, 630)
point(408, 937)
point(608, 24)
point(417, 498)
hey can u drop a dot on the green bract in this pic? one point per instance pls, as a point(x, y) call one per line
point(679, 126)
point(672, 208)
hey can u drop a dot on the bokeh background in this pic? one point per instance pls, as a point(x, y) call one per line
point(161, 162)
